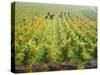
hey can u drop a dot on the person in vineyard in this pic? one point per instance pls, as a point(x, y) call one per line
point(49, 15)
point(24, 21)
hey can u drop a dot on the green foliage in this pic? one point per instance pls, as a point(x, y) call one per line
point(71, 39)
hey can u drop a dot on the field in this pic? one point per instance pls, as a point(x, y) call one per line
point(50, 37)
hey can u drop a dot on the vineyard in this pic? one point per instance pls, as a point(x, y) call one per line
point(52, 37)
